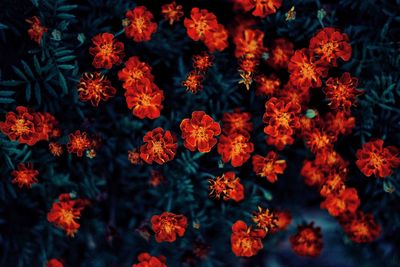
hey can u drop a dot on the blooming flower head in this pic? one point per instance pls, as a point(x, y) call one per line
point(199, 132)
point(304, 71)
point(47, 125)
point(280, 54)
point(318, 140)
point(78, 143)
point(217, 40)
point(156, 178)
point(95, 87)
point(145, 100)
point(360, 227)
point(249, 42)
point(340, 122)
point(342, 92)
point(284, 218)
point(203, 61)
point(36, 30)
point(141, 24)
point(135, 72)
point(375, 159)
point(345, 201)
point(267, 85)
point(159, 147)
point(134, 157)
point(172, 12)
point(333, 183)
point(235, 147)
point(65, 213)
point(329, 44)
point(265, 219)
point(236, 121)
point(312, 174)
point(227, 186)
point(201, 24)
point(307, 241)
point(56, 149)
point(25, 175)
point(54, 263)
point(107, 51)
point(193, 81)
point(261, 8)
point(246, 242)
point(168, 225)
point(147, 260)
point(268, 166)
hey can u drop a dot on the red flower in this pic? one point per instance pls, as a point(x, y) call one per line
point(107, 51)
point(281, 52)
point(56, 149)
point(318, 140)
point(156, 178)
point(360, 227)
point(236, 122)
point(146, 260)
point(267, 85)
point(269, 166)
point(312, 174)
point(284, 219)
point(48, 126)
point(307, 241)
point(203, 61)
point(227, 187)
point(54, 263)
point(217, 40)
point(374, 159)
point(65, 213)
point(168, 225)
point(36, 30)
point(141, 24)
point(135, 72)
point(159, 146)
point(95, 87)
point(25, 175)
point(334, 183)
point(329, 44)
point(246, 242)
point(249, 42)
point(346, 201)
point(340, 122)
point(265, 219)
point(198, 132)
point(134, 157)
point(193, 81)
point(78, 143)
point(202, 24)
point(342, 92)
point(304, 72)
point(235, 147)
point(145, 100)
point(172, 12)
point(263, 8)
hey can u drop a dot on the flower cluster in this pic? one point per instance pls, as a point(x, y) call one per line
point(227, 187)
point(201, 63)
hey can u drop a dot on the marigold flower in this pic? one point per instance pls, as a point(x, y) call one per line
point(265, 219)
point(313, 175)
point(135, 72)
point(317, 140)
point(304, 72)
point(248, 64)
point(249, 42)
point(95, 87)
point(47, 125)
point(201, 24)
point(263, 8)
point(236, 122)
point(329, 44)
point(146, 260)
point(56, 149)
point(193, 81)
point(375, 159)
point(346, 201)
point(307, 241)
point(78, 143)
point(235, 147)
point(141, 24)
point(156, 178)
point(334, 183)
point(107, 51)
point(203, 61)
point(198, 132)
point(268, 166)
point(267, 85)
point(159, 146)
point(340, 122)
point(145, 100)
point(172, 12)
point(25, 175)
point(54, 263)
point(284, 219)
point(342, 92)
point(134, 157)
point(246, 242)
point(360, 227)
point(168, 225)
point(36, 30)
point(65, 213)
point(217, 40)
point(280, 54)
point(227, 187)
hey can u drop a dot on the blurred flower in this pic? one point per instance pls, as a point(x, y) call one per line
point(280, 54)
point(345, 201)
point(360, 227)
point(249, 42)
point(56, 149)
point(236, 121)
point(36, 30)
point(172, 12)
point(267, 85)
point(203, 61)
point(134, 157)
point(147, 260)
point(54, 263)
point(307, 241)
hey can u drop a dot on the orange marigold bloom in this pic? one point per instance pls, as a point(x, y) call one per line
point(346, 201)
point(146, 260)
point(312, 174)
point(334, 183)
point(342, 92)
point(54, 263)
point(172, 12)
point(198, 132)
point(202, 24)
point(168, 225)
point(193, 81)
point(248, 64)
point(249, 42)
point(360, 227)
point(269, 166)
point(156, 178)
point(307, 241)
point(135, 72)
point(56, 149)
point(267, 85)
point(317, 140)
point(141, 24)
point(48, 126)
point(236, 122)
point(36, 30)
point(134, 157)
point(159, 146)
point(203, 61)
point(304, 72)
point(235, 147)
point(281, 140)
point(217, 40)
point(329, 44)
point(227, 187)
point(263, 8)
point(281, 52)
point(65, 213)
point(95, 87)
point(78, 143)
point(246, 242)
point(340, 122)
point(265, 219)
point(145, 100)
point(107, 51)
point(284, 219)
point(25, 175)
point(374, 159)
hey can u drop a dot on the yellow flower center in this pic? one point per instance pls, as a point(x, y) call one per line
point(20, 127)
point(67, 216)
point(145, 100)
point(158, 147)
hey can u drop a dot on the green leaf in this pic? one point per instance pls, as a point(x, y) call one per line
point(28, 92)
point(6, 100)
point(38, 94)
point(27, 69)
point(19, 73)
point(63, 83)
point(11, 83)
point(65, 59)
